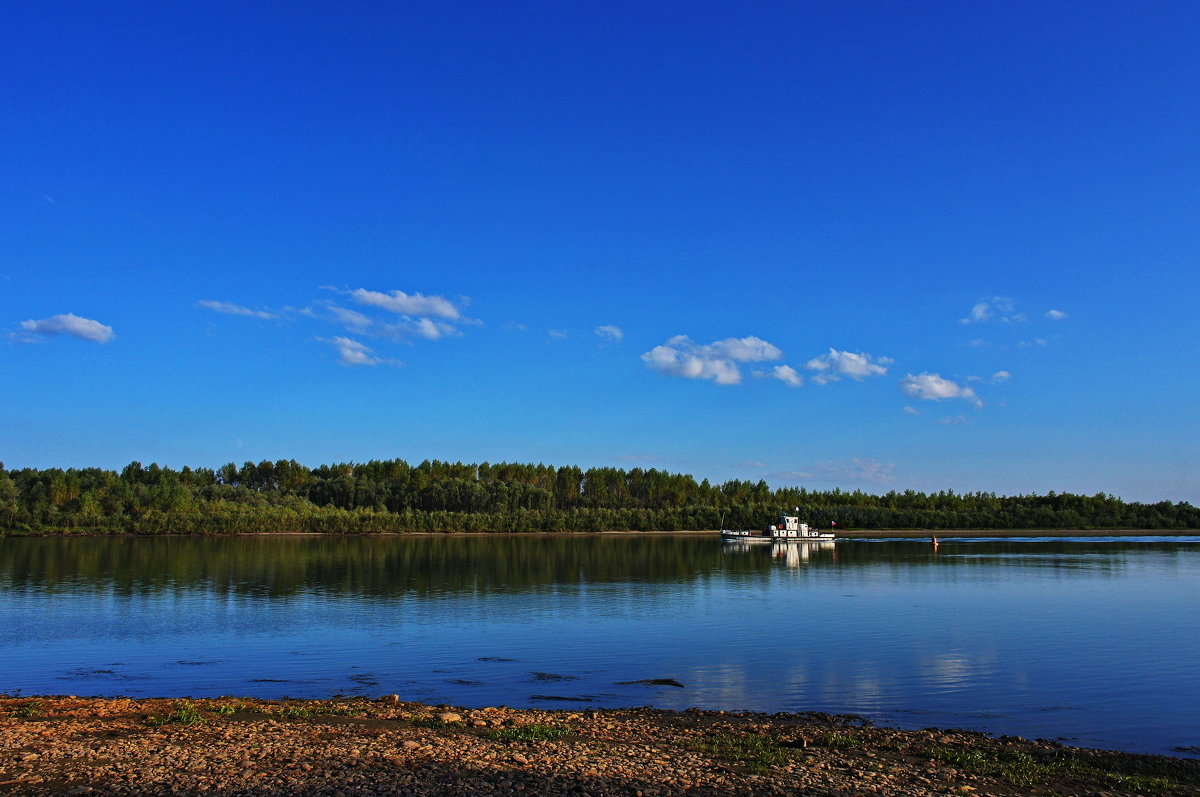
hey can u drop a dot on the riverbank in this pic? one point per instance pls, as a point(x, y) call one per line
point(69, 745)
point(943, 534)
point(842, 534)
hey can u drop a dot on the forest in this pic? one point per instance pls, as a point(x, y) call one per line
point(394, 496)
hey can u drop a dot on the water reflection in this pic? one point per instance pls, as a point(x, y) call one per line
point(438, 566)
point(793, 554)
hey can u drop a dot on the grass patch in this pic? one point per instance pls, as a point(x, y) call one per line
point(225, 709)
point(426, 721)
point(305, 711)
point(1023, 769)
point(528, 733)
point(298, 712)
point(185, 713)
point(31, 710)
point(754, 751)
point(837, 740)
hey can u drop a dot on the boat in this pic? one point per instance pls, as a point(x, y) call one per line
point(788, 529)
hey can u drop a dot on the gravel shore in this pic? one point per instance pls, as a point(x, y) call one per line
point(228, 746)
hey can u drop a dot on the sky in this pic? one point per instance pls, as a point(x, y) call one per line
point(875, 246)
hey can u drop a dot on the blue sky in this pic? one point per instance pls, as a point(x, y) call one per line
point(930, 245)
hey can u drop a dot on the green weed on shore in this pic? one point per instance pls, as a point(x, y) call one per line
point(1023, 769)
point(31, 710)
point(528, 733)
point(185, 713)
point(754, 751)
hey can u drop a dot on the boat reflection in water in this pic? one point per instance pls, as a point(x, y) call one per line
point(793, 554)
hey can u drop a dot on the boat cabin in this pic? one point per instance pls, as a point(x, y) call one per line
point(789, 526)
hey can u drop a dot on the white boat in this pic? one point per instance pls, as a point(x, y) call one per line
point(788, 529)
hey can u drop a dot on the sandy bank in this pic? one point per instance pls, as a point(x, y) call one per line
point(943, 534)
point(72, 745)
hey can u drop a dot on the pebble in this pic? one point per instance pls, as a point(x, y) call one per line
point(626, 752)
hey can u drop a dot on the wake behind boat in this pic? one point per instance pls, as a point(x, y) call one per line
point(788, 529)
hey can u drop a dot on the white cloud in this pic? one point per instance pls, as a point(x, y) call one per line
point(557, 334)
point(912, 410)
point(424, 328)
point(419, 316)
point(351, 352)
point(639, 458)
point(836, 364)
point(787, 374)
point(682, 357)
point(747, 350)
point(855, 471)
point(65, 324)
point(610, 332)
point(979, 313)
point(953, 420)
point(932, 387)
point(1001, 307)
point(1055, 315)
point(1026, 344)
point(414, 304)
point(1001, 376)
point(229, 308)
point(350, 318)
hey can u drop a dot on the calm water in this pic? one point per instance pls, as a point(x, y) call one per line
point(1090, 640)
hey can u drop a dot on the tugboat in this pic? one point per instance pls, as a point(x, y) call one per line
point(788, 529)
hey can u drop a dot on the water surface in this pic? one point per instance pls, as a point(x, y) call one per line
point(1093, 641)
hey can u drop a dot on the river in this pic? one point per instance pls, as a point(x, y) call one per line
point(1091, 641)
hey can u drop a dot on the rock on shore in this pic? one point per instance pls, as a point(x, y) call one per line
point(228, 746)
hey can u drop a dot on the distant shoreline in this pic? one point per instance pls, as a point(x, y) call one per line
point(855, 534)
point(943, 534)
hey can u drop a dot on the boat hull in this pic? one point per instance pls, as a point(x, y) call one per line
point(757, 536)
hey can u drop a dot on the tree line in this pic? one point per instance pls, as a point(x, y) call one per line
point(394, 496)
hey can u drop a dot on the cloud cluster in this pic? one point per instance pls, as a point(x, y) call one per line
point(1004, 309)
point(995, 379)
point(411, 316)
point(64, 324)
point(391, 315)
point(1001, 307)
point(720, 361)
point(855, 471)
point(401, 303)
point(833, 366)
point(681, 356)
point(934, 387)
